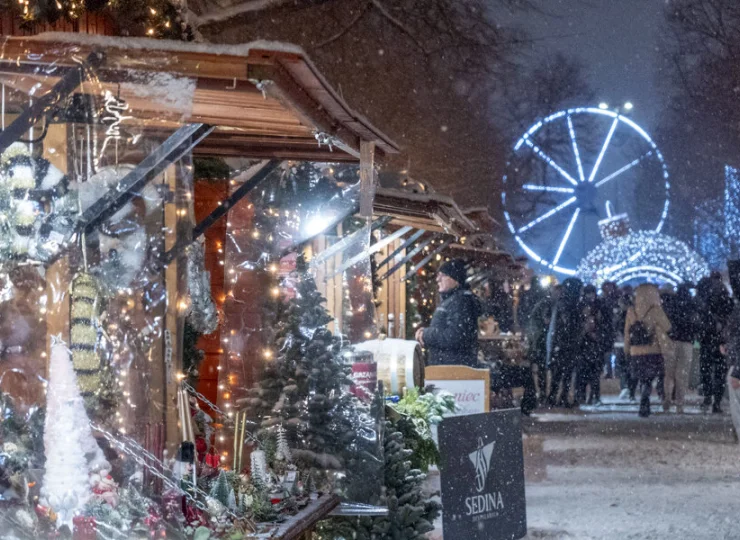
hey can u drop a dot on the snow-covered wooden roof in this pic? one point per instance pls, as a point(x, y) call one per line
point(267, 99)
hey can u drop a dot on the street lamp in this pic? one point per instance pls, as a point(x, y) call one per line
point(628, 106)
point(603, 106)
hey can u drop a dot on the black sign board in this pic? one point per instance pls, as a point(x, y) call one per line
point(482, 474)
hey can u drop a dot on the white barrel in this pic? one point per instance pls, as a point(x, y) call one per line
point(399, 361)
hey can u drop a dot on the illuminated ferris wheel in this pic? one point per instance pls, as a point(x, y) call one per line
point(567, 172)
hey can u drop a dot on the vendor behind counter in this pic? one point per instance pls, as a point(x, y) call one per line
point(452, 335)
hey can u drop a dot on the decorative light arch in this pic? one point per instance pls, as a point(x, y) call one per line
point(644, 255)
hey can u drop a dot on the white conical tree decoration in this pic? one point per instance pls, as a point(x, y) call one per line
point(259, 468)
point(68, 441)
point(283, 450)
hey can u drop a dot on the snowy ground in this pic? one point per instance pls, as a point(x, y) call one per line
point(606, 474)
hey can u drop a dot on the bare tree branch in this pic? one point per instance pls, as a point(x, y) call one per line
point(410, 33)
point(361, 13)
point(234, 11)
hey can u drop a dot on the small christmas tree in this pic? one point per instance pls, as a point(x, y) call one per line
point(222, 490)
point(410, 515)
point(68, 440)
point(283, 450)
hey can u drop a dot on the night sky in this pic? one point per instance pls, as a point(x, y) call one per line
point(617, 40)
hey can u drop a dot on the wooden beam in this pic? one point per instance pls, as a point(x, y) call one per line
point(279, 84)
point(367, 178)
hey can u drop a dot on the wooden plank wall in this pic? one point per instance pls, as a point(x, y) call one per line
point(392, 296)
point(332, 289)
point(88, 23)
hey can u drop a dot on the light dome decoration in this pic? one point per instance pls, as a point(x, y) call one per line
point(565, 168)
point(642, 256)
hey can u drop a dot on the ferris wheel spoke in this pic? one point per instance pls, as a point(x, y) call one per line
point(623, 169)
point(546, 215)
point(603, 149)
point(568, 231)
point(572, 132)
point(551, 162)
point(551, 189)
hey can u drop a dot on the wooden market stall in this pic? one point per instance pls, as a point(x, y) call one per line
point(265, 102)
point(427, 227)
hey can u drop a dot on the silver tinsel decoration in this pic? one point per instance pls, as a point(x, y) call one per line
point(203, 315)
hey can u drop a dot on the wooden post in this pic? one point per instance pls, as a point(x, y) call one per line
point(367, 178)
point(179, 218)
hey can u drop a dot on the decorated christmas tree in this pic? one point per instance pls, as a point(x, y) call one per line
point(304, 389)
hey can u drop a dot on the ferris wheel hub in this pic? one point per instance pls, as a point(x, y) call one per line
point(586, 196)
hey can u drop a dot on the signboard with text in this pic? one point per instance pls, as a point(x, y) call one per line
point(482, 476)
point(469, 386)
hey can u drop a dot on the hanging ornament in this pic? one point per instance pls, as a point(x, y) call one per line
point(36, 212)
point(202, 314)
point(84, 333)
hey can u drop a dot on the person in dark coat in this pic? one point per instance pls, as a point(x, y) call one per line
point(681, 311)
point(590, 356)
point(627, 375)
point(452, 336)
point(563, 340)
point(610, 302)
point(529, 300)
point(732, 347)
point(715, 307)
point(539, 323)
point(499, 304)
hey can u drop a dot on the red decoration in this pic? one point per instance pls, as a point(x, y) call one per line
point(84, 528)
point(193, 515)
point(201, 447)
point(213, 460)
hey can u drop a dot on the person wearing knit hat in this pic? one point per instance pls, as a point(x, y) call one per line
point(452, 336)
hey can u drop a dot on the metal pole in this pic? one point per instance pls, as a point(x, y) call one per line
point(44, 105)
point(409, 256)
point(176, 146)
point(220, 211)
point(411, 239)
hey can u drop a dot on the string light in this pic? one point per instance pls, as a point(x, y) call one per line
point(643, 255)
